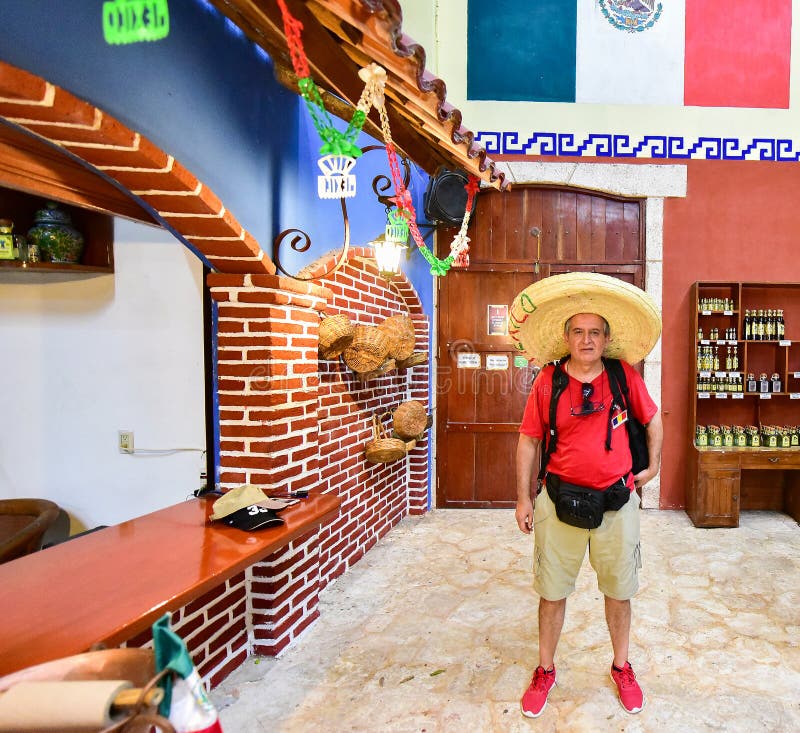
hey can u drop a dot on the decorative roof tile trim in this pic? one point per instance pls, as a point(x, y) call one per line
point(666, 147)
point(391, 15)
point(50, 112)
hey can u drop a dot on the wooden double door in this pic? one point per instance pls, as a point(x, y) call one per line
point(482, 383)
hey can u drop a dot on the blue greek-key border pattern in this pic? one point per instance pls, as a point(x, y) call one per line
point(647, 146)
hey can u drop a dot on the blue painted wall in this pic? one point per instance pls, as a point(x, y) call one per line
point(206, 95)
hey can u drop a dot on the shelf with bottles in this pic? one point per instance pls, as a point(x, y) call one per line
point(718, 298)
point(97, 230)
point(718, 356)
point(749, 437)
point(764, 324)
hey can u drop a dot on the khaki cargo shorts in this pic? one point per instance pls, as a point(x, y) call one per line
point(559, 549)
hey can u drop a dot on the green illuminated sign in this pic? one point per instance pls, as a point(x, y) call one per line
point(134, 21)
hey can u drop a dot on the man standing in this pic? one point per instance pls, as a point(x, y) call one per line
point(590, 498)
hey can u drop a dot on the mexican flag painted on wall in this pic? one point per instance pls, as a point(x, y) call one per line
point(704, 53)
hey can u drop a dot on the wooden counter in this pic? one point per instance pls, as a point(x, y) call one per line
point(725, 480)
point(109, 585)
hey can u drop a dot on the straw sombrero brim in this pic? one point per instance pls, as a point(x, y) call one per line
point(539, 312)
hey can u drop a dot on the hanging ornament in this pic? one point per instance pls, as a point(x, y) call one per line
point(459, 250)
point(396, 226)
point(338, 151)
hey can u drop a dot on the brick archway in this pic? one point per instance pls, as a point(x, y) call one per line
point(178, 200)
point(286, 421)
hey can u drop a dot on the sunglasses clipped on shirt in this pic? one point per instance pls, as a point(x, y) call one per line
point(587, 406)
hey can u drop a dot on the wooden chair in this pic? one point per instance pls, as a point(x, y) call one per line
point(23, 523)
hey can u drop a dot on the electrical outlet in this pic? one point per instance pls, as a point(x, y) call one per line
point(126, 441)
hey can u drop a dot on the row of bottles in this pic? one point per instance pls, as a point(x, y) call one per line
point(735, 383)
point(713, 335)
point(715, 305)
point(764, 325)
point(748, 436)
point(764, 385)
point(15, 246)
point(708, 359)
point(713, 383)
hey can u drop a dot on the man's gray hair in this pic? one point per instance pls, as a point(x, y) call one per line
point(606, 327)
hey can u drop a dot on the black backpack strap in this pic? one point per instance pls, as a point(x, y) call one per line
point(560, 382)
point(618, 384)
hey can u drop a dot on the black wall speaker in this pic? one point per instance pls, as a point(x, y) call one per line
point(446, 198)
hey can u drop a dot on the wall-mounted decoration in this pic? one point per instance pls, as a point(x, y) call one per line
point(468, 360)
point(135, 21)
point(416, 359)
point(497, 320)
point(496, 362)
point(410, 420)
point(368, 349)
point(335, 335)
point(400, 330)
point(383, 448)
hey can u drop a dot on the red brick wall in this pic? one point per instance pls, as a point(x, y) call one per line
point(288, 421)
point(375, 496)
point(214, 628)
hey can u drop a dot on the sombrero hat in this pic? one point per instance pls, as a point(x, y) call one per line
point(538, 315)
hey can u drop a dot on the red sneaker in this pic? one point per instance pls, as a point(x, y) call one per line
point(630, 694)
point(535, 698)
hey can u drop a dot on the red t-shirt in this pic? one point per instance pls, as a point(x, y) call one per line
point(581, 456)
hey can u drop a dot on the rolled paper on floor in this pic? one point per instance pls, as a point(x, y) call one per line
point(65, 706)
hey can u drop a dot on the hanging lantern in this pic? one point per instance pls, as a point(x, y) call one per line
point(387, 255)
point(336, 181)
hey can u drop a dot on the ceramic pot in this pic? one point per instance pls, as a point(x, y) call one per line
point(57, 239)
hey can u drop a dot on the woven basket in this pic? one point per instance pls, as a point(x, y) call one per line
point(410, 419)
point(417, 358)
point(384, 368)
point(383, 449)
point(335, 335)
point(368, 349)
point(400, 330)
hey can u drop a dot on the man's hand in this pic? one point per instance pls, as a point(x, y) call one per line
point(524, 515)
point(641, 478)
point(655, 439)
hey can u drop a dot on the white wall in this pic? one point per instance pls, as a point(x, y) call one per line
point(84, 357)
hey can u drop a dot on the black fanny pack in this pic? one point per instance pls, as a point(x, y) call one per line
point(581, 506)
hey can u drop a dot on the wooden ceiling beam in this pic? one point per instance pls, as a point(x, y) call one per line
point(340, 37)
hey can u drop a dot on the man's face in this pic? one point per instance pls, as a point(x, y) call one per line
point(586, 337)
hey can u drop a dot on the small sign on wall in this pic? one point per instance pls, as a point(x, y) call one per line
point(496, 361)
point(134, 21)
point(497, 320)
point(469, 360)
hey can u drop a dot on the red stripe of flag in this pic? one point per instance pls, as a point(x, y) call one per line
point(738, 53)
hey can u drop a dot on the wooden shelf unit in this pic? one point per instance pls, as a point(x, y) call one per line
point(721, 481)
point(97, 229)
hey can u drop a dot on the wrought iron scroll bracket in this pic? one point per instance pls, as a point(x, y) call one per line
point(299, 240)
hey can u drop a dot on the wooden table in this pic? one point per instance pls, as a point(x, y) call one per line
point(110, 585)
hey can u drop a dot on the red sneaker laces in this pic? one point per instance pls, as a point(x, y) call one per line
point(540, 675)
point(626, 676)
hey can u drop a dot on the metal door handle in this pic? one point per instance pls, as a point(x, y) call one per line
point(774, 460)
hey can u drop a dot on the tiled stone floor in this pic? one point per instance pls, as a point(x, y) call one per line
point(434, 631)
